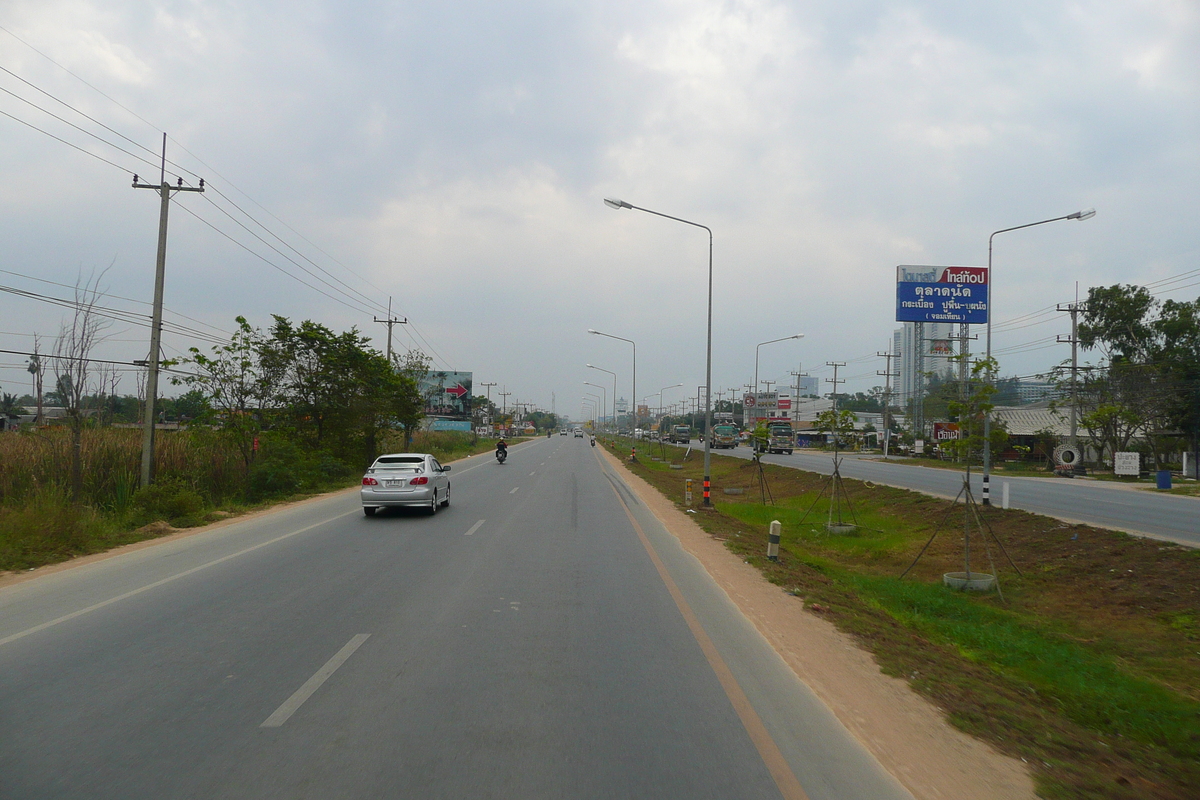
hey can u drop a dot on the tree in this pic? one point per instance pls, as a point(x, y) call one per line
point(1153, 369)
point(236, 383)
point(72, 367)
point(970, 411)
point(840, 424)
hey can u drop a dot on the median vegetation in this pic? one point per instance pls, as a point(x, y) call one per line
point(1087, 667)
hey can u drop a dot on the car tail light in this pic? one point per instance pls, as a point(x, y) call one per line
point(418, 481)
point(370, 482)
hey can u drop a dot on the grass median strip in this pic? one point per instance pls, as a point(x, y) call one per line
point(1088, 669)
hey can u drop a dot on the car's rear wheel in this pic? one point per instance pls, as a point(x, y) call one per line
point(369, 510)
point(446, 502)
point(433, 504)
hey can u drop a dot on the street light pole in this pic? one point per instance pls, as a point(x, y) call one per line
point(619, 204)
point(614, 402)
point(660, 391)
point(603, 397)
point(633, 399)
point(771, 341)
point(987, 417)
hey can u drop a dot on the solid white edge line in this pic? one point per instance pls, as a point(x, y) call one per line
point(293, 703)
point(474, 527)
point(156, 584)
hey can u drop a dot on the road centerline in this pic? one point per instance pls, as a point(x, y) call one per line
point(514, 490)
point(293, 703)
point(475, 527)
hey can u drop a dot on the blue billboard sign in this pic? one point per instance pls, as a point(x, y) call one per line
point(942, 294)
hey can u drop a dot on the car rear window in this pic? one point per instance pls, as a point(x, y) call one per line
point(402, 463)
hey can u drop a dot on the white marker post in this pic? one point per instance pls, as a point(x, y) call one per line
point(773, 541)
point(687, 494)
point(1005, 502)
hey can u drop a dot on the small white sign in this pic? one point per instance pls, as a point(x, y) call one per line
point(919, 446)
point(1127, 464)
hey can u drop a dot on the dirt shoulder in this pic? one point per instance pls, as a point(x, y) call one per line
point(909, 736)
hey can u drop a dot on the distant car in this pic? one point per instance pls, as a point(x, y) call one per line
point(563, 432)
point(405, 479)
point(579, 433)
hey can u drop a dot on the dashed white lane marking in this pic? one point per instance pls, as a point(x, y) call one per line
point(514, 491)
point(293, 703)
point(532, 474)
point(474, 528)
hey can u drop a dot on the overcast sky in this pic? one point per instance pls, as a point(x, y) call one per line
point(454, 155)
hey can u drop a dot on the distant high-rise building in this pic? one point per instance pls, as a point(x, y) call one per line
point(939, 343)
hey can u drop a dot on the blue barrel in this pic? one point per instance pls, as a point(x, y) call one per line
point(1164, 479)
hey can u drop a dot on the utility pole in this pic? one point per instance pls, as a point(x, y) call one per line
point(798, 374)
point(390, 321)
point(834, 380)
point(887, 395)
point(1074, 309)
point(164, 190)
point(505, 395)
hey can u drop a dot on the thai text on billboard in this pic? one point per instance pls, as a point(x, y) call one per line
point(941, 294)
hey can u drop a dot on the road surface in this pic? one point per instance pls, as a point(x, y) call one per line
point(534, 640)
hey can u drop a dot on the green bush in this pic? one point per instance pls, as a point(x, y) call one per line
point(171, 500)
point(283, 468)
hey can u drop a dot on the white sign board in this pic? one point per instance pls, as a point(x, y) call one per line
point(1127, 464)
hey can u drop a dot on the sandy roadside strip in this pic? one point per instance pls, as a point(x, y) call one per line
point(908, 735)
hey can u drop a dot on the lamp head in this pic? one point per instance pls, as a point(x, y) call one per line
point(618, 204)
point(592, 330)
point(798, 336)
point(1085, 214)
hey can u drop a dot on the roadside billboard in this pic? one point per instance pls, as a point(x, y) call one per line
point(447, 394)
point(941, 294)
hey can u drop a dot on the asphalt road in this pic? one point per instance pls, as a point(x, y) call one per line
point(1101, 503)
point(536, 639)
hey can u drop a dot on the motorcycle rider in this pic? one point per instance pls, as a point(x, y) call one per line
point(501, 447)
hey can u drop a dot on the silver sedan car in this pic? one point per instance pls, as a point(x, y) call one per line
point(405, 479)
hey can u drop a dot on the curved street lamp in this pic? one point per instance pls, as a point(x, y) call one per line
point(660, 391)
point(633, 416)
point(619, 204)
point(614, 400)
point(770, 341)
point(603, 397)
point(987, 417)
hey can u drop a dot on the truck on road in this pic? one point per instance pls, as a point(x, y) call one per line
point(780, 438)
point(680, 434)
point(724, 436)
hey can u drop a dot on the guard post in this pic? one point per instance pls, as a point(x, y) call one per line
point(773, 541)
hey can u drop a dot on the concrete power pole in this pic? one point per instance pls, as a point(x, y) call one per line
point(164, 190)
point(834, 380)
point(887, 395)
point(1074, 309)
point(390, 321)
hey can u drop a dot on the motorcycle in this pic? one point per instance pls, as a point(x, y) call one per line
point(593, 441)
point(501, 454)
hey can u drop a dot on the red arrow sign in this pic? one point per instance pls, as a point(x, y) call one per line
point(458, 391)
